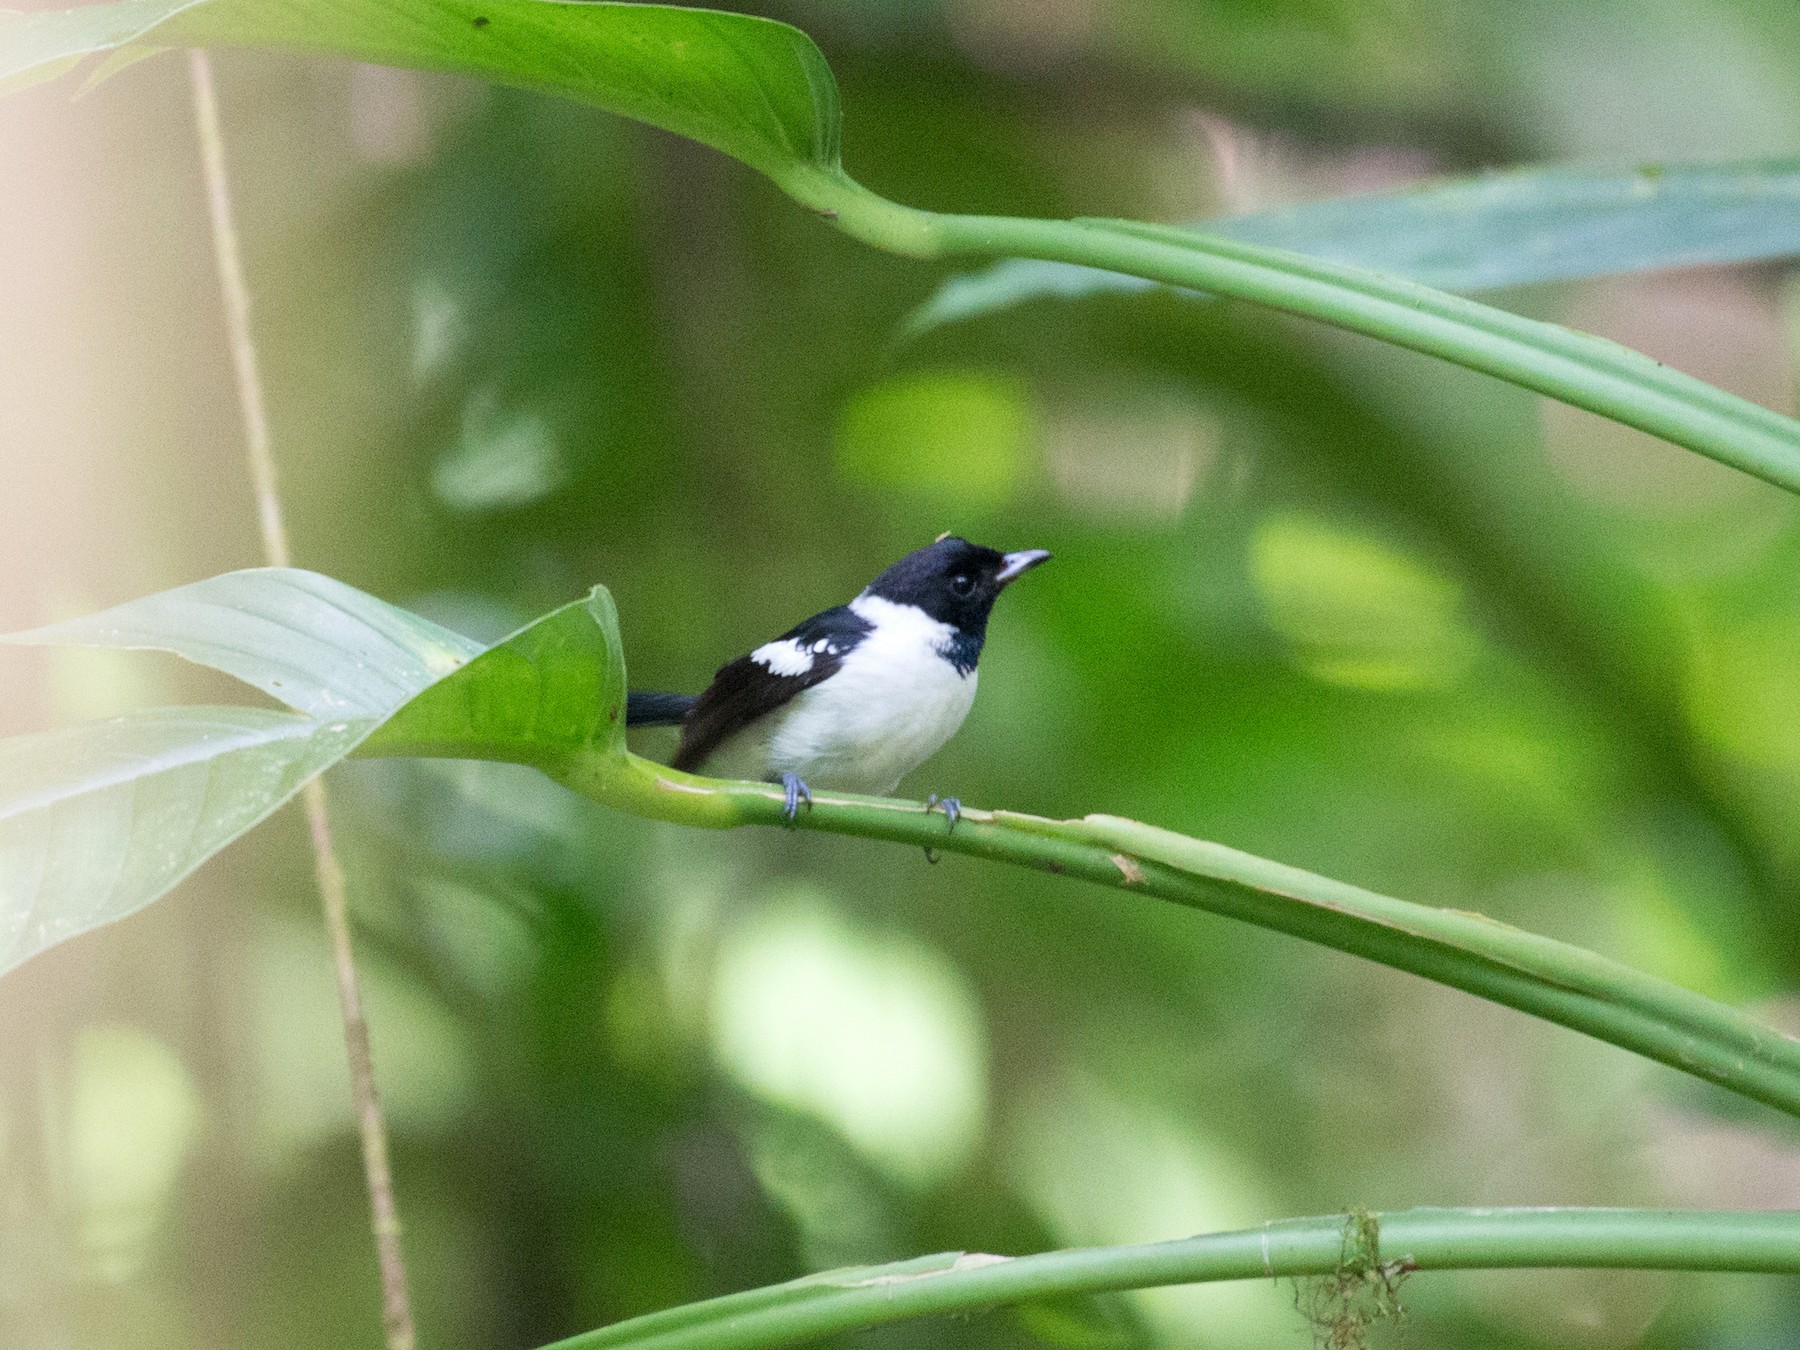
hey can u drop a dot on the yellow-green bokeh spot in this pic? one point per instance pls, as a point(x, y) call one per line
point(1358, 611)
point(129, 1118)
point(955, 436)
point(1741, 696)
point(875, 1034)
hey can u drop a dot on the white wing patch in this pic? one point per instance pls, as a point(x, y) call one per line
point(785, 657)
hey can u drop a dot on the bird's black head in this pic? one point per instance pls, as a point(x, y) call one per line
point(954, 581)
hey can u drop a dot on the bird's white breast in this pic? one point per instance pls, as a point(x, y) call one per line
point(893, 702)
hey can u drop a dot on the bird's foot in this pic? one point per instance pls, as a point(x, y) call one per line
point(797, 792)
point(952, 812)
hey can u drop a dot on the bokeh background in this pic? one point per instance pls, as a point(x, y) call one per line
point(1325, 601)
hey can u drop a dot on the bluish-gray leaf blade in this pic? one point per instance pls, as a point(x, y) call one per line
point(1502, 229)
point(1549, 224)
point(315, 644)
point(97, 821)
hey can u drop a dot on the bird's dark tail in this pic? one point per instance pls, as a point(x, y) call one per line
point(657, 710)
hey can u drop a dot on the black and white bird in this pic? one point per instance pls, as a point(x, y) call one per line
point(857, 696)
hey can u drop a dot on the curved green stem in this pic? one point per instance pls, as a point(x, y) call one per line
point(1578, 369)
point(1537, 975)
point(1380, 1247)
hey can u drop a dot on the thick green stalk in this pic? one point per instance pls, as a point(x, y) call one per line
point(1377, 1247)
point(1577, 368)
point(1537, 975)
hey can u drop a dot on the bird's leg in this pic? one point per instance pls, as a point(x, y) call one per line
point(797, 792)
point(952, 808)
point(952, 812)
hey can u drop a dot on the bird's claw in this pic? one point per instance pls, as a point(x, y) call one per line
point(797, 792)
point(951, 807)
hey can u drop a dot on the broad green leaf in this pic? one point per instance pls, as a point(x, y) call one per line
point(753, 88)
point(97, 821)
point(315, 644)
point(1502, 229)
point(555, 686)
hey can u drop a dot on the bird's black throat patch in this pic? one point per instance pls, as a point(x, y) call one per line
point(963, 650)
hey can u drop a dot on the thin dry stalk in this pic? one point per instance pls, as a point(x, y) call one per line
point(396, 1305)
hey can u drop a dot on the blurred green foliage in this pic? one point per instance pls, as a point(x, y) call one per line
point(1316, 599)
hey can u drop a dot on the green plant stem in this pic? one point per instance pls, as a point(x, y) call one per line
point(1537, 975)
point(1410, 1240)
point(1578, 369)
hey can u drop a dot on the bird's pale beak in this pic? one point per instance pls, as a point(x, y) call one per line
point(1018, 564)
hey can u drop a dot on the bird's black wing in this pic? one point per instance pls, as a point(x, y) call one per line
point(756, 685)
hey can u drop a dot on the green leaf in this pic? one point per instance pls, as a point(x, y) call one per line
point(1474, 234)
point(554, 687)
point(97, 821)
point(315, 644)
point(753, 88)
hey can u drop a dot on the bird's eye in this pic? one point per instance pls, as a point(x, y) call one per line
point(961, 584)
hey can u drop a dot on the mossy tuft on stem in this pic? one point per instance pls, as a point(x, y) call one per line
point(1361, 1292)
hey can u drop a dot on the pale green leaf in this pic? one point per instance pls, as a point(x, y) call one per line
point(97, 821)
point(315, 644)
